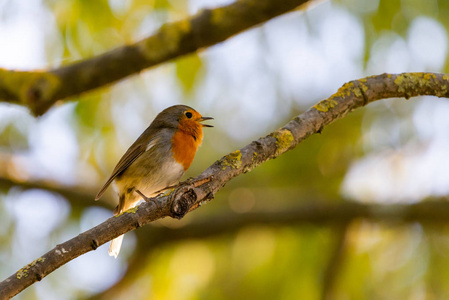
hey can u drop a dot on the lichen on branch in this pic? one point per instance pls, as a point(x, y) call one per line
point(190, 195)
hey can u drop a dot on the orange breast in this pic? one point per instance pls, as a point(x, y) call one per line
point(184, 147)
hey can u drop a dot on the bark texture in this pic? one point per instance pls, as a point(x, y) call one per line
point(192, 193)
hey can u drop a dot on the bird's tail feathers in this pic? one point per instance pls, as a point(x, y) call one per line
point(116, 244)
point(114, 247)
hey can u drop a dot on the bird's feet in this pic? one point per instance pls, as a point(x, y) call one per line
point(149, 199)
point(195, 183)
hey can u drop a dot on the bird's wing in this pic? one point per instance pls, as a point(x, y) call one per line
point(127, 159)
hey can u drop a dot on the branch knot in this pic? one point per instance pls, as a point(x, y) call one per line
point(182, 200)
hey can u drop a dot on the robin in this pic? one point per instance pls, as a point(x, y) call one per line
point(156, 160)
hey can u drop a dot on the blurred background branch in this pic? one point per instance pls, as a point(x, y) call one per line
point(336, 260)
point(389, 152)
point(335, 213)
point(79, 196)
point(189, 195)
point(40, 90)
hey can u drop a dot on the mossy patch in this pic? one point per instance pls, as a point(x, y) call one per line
point(330, 103)
point(167, 193)
point(284, 140)
point(219, 16)
point(233, 160)
point(22, 273)
point(345, 91)
point(131, 210)
point(325, 105)
point(363, 86)
point(254, 156)
point(22, 84)
point(411, 84)
point(166, 41)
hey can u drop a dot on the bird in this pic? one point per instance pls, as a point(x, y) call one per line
point(156, 160)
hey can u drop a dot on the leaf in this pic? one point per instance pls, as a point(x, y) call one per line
point(187, 69)
point(86, 110)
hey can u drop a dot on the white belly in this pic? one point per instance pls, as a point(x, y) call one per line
point(172, 172)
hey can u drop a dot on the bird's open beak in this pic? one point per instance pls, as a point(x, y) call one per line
point(205, 119)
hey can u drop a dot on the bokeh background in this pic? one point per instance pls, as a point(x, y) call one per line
point(394, 151)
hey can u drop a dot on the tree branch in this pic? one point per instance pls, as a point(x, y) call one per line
point(40, 90)
point(77, 196)
point(12, 175)
point(336, 258)
point(193, 193)
point(337, 214)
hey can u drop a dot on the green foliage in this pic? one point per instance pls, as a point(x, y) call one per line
point(12, 137)
point(188, 69)
point(162, 4)
point(260, 261)
point(86, 111)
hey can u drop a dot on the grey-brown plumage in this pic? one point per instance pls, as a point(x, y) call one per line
point(151, 164)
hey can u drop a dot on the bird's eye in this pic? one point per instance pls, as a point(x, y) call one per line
point(189, 114)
